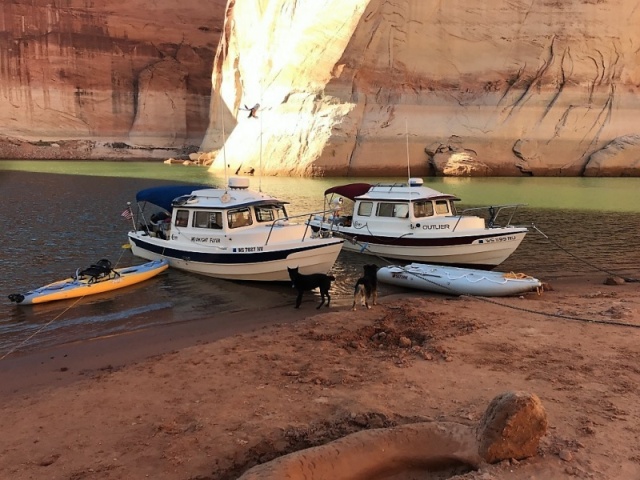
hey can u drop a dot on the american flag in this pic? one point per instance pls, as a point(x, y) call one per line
point(128, 214)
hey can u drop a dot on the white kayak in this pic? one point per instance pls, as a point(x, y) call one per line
point(458, 281)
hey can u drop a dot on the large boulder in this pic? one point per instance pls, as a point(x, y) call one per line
point(452, 160)
point(511, 427)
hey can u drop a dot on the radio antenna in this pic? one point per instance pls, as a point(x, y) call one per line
point(406, 134)
point(261, 133)
point(224, 147)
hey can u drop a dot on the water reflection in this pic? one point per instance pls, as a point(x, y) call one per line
point(555, 193)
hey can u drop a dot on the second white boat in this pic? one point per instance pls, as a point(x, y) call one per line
point(411, 222)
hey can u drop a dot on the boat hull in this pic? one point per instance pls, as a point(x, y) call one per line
point(457, 281)
point(264, 263)
point(74, 288)
point(480, 251)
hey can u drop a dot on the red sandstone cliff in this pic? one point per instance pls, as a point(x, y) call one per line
point(112, 78)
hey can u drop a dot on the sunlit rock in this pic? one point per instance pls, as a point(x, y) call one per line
point(360, 90)
point(454, 161)
point(621, 157)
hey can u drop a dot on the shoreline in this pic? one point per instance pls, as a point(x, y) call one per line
point(64, 364)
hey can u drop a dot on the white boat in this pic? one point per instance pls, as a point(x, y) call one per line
point(458, 281)
point(411, 222)
point(232, 233)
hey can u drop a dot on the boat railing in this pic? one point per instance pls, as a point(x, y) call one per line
point(283, 221)
point(492, 213)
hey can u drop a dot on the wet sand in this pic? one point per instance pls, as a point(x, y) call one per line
point(71, 362)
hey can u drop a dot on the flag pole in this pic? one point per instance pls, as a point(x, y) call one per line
point(133, 220)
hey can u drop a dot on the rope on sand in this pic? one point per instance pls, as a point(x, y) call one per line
point(556, 315)
point(516, 276)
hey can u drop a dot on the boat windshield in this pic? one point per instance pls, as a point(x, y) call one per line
point(206, 219)
point(240, 217)
point(422, 209)
point(442, 207)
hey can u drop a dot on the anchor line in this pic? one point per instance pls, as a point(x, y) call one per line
point(556, 315)
point(119, 257)
point(629, 280)
point(23, 342)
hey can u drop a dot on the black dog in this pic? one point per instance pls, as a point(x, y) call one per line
point(303, 283)
point(366, 287)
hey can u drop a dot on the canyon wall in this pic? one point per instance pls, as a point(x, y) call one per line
point(344, 87)
point(367, 87)
point(105, 79)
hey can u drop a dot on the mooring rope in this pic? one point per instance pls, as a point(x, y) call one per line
point(22, 343)
point(629, 280)
point(556, 315)
point(125, 247)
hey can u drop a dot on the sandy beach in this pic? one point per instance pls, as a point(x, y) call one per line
point(188, 401)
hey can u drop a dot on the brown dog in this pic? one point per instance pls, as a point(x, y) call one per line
point(366, 287)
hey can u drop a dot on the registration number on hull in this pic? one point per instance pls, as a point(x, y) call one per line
point(505, 238)
point(248, 249)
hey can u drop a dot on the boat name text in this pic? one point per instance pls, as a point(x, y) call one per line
point(435, 227)
point(205, 240)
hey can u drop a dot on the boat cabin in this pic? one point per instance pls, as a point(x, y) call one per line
point(203, 217)
point(209, 211)
point(388, 203)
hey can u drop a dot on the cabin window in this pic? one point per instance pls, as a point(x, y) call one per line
point(365, 209)
point(207, 220)
point(269, 214)
point(397, 210)
point(182, 218)
point(422, 209)
point(442, 207)
point(239, 218)
point(264, 215)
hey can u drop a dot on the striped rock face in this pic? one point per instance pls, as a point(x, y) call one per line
point(105, 79)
